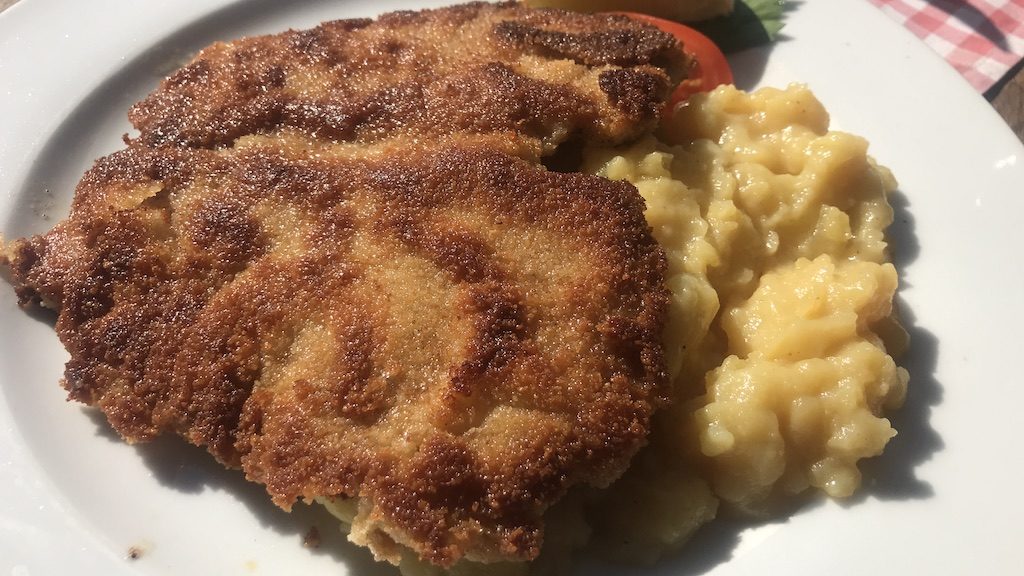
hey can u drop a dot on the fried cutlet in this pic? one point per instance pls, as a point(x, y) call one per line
point(316, 264)
point(478, 68)
point(454, 338)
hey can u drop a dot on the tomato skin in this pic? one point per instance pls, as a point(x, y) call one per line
point(710, 67)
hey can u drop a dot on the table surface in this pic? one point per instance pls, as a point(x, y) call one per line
point(1007, 96)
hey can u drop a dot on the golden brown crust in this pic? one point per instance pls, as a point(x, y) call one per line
point(476, 67)
point(371, 289)
point(456, 336)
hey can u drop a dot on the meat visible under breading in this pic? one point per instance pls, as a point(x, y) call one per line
point(332, 259)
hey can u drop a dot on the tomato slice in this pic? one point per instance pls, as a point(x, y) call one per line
point(710, 67)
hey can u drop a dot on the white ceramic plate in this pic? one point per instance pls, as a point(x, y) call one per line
point(942, 500)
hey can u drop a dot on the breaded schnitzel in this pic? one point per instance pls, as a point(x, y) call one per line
point(455, 337)
point(478, 68)
point(332, 259)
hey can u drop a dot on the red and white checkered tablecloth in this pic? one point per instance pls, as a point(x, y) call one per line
point(982, 39)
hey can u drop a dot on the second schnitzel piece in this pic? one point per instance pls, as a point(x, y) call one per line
point(479, 68)
point(452, 335)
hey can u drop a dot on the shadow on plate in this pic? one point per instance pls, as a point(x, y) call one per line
point(713, 545)
point(189, 469)
point(748, 66)
point(891, 476)
point(743, 38)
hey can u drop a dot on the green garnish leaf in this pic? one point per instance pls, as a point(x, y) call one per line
point(752, 23)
